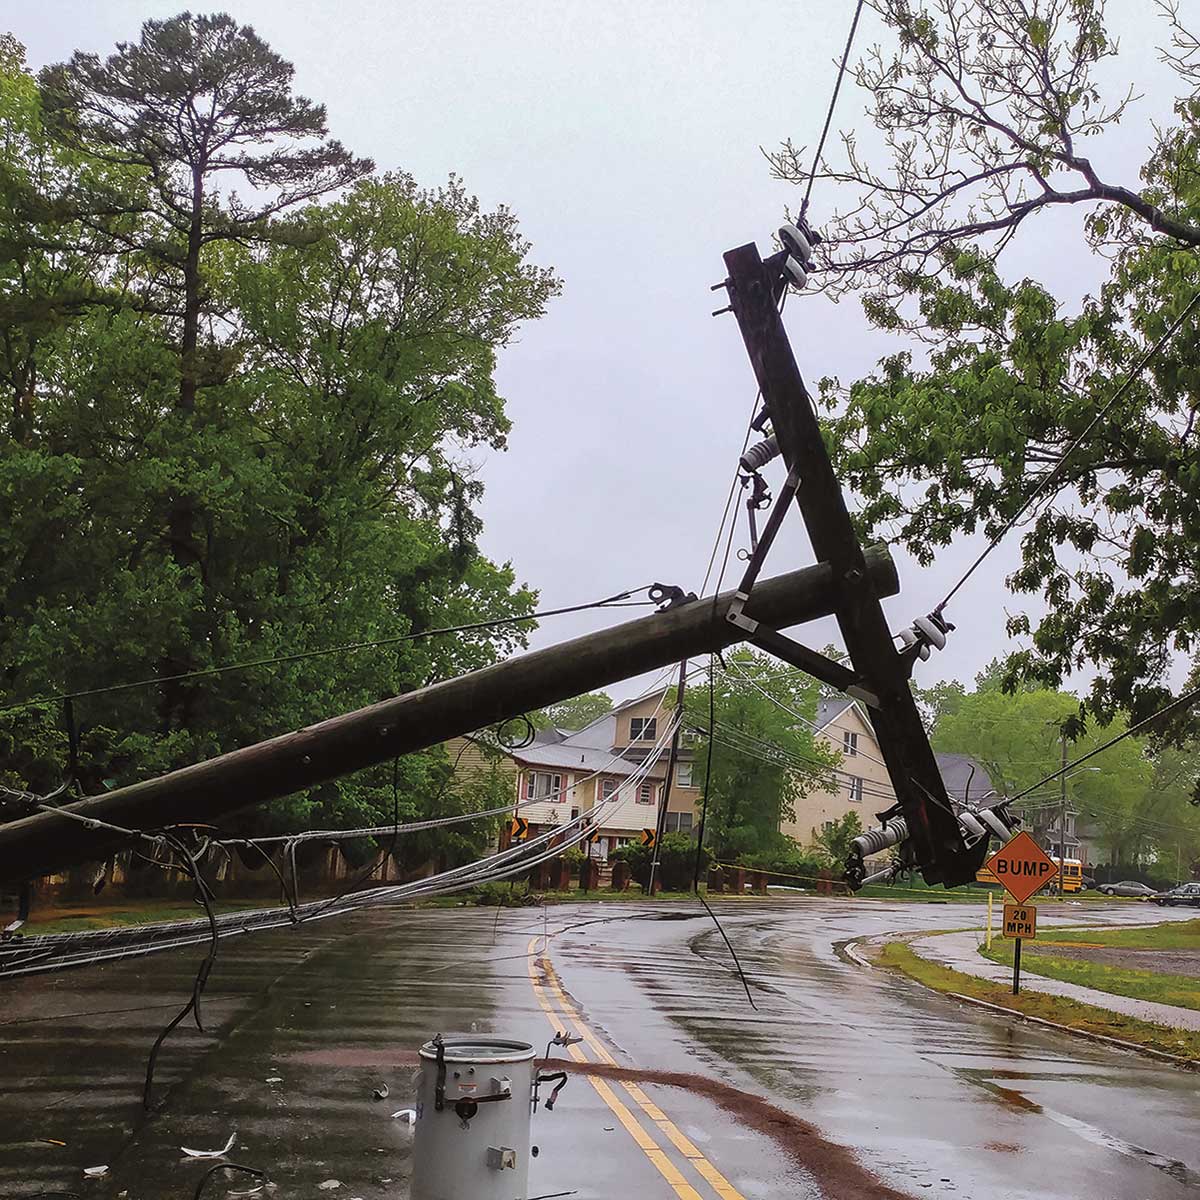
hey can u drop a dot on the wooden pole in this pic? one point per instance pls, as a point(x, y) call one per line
point(933, 827)
point(661, 823)
point(207, 791)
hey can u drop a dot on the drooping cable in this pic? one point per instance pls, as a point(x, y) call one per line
point(1048, 477)
point(833, 99)
point(202, 973)
point(615, 601)
point(52, 952)
point(1179, 703)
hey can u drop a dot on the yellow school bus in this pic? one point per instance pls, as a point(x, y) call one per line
point(1072, 876)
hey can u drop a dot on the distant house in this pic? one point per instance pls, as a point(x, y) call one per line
point(863, 785)
point(967, 780)
point(563, 774)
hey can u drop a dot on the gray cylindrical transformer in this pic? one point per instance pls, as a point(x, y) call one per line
point(474, 1103)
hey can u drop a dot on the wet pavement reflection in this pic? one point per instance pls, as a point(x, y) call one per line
point(934, 1098)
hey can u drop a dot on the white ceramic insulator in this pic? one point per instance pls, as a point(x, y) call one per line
point(796, 243)
point(796, 271)
point(931, 631)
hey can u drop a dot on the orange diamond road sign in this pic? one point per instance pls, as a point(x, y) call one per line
point(1022, 866)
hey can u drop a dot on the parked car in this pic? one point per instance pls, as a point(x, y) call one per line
point(1185, 893)
point(1127, 887)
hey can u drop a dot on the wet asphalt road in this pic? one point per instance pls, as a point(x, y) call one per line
point(934, 1098)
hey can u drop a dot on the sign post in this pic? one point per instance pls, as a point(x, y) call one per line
point(1024, 868)
point(1020, 922)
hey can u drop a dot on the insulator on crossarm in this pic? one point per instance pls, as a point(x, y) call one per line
point(996, 823)
point(759, 455)
point(910, 639)
point(875, 840)
point(796, 243)
point(796, 273)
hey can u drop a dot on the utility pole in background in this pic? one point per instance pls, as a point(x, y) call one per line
point(666, 792)
point(1062, 817)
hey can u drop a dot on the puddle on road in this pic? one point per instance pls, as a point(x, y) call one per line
point(1014, 1099)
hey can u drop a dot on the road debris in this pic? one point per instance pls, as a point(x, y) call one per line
point(381, 1093)
point(407, 1116)
point(211, 1153)
point(95, 1172)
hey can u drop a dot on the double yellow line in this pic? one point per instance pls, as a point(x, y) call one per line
point(560, 1012)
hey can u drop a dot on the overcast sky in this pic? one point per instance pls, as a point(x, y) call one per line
point(626, 136)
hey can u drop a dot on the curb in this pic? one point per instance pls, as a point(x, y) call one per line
point(1176, 1060)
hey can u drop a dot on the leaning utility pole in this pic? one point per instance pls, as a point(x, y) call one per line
point(205, 792)
point(880, 673)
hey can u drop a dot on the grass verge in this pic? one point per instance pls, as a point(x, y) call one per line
point(1174, 935)
point(67, 920)
point(1120, 981)
point(1085, 1018)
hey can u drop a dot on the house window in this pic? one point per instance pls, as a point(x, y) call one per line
point(643, 729)
point(574, 813)
point(679, 822)
point(645, 793)
point(683, 774)
point(849, 743)
point(607, 788)
point(540, 785)
point(855, 786)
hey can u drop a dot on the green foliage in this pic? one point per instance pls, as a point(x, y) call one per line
point(576, 712)
point(954, 447)
point(786, 858)
point(503, 895)
point(1135, 794)
point(835, 841)
point(764, 756)
point(676, 861)
point(321, 474)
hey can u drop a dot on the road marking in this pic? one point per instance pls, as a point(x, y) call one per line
point(719, 1184)
point(648, 1146)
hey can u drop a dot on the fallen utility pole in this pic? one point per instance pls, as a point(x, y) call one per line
point(880, 674)
point(206, 791)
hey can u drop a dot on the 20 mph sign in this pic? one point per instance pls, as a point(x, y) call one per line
point(1022, 866)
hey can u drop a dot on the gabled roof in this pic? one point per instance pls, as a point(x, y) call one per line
point(600, 734)
point(966, 780)
point(830, 708)
point(585, 759)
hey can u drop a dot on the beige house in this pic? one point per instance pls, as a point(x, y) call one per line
point(862, 785)
point(563, 774)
